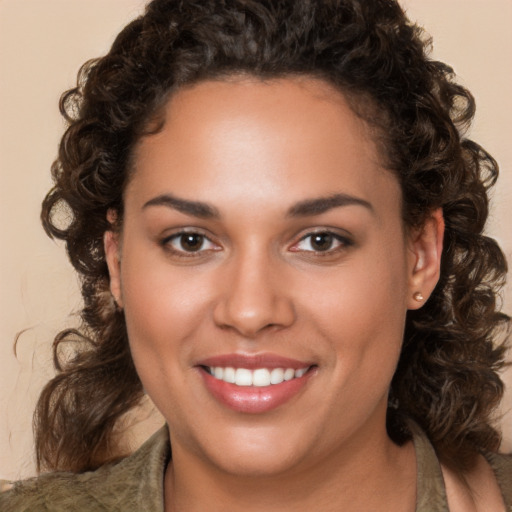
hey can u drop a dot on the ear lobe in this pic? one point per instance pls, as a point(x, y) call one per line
point(425, 247)
point(111, 247)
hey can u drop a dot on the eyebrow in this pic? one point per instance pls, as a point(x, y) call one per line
point(308, 207)
point(194, 208)
point(321, 205)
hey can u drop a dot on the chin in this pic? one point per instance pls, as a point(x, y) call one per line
point(253, 451)
point(257, 463)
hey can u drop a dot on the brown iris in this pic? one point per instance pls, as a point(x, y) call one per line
point(321, 241)
point(191, 242)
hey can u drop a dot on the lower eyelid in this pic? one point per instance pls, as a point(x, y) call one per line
point(342, 241)
point(167, 242)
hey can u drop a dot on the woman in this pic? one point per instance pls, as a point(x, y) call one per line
point(278, 225)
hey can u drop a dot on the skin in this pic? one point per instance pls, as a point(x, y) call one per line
point(478, 491)
point(253, 150)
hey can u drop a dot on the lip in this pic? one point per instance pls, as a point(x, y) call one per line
point(254, 361)
point(253, 399)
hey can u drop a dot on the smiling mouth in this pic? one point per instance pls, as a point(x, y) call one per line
point(255, 384)
point(259, 377)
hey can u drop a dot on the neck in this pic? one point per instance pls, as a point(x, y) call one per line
point(371, 475)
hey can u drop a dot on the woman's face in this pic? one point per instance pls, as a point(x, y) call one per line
point(265, 274)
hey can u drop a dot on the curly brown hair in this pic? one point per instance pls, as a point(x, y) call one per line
point(447, 378)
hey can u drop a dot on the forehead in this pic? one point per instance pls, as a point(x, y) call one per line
point(293, 137)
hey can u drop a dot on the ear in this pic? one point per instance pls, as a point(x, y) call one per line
point(111, 245)
point(425, 250)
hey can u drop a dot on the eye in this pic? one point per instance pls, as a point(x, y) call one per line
point(321, 241)
point(189, 242)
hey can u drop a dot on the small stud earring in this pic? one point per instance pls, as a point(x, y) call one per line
point(418, 296)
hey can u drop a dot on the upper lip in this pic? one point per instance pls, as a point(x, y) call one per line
point(254, 361)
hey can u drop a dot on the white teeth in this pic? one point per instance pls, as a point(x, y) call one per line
point(301, 372)
point(276, 376)
point(229, 375)
point(289, 374)
point(243, 377)
point(260, 377)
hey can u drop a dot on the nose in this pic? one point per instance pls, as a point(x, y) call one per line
point(253, 297)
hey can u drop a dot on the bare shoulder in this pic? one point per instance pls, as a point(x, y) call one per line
point(479, 490)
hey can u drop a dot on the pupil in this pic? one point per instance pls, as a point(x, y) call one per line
point(191, 242)
point(321, 241)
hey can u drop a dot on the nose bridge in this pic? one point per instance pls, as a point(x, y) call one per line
point(254, 293)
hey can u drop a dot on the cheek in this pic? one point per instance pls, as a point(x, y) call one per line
point(164, 312)
point(368, 293)
point(164, 307)
point(361, 311)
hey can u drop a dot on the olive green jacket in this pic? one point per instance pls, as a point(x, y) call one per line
point(136, 483)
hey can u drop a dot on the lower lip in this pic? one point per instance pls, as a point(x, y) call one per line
point(254, 399)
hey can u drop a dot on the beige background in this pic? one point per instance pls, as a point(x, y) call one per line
point(42, 44)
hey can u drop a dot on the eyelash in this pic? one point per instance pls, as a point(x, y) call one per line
point(183, 253)
point(343, 242)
